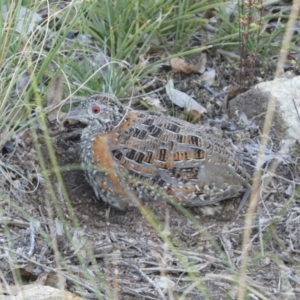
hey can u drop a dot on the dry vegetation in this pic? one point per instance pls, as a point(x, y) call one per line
point(55, 238)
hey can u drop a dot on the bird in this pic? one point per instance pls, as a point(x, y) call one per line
point(131, 156)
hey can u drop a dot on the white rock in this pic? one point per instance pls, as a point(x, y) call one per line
point(26, 19)
point(254, 103)
point(286, 92)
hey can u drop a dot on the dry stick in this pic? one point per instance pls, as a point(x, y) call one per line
point(257, 175)
point(32, 239)
point(254, 287)
point(148, 279)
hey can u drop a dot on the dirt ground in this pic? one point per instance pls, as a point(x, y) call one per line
point(54, 231)
point(120, 255)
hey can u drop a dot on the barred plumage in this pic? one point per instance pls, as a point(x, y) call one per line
point(129, 155)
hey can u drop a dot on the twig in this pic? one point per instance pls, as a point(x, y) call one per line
point(195, 268)
point(144, 276)
point(15, 222)
point(137, 294)
point(32, 239)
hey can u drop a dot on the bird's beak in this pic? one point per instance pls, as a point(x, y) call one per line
point(74, 115)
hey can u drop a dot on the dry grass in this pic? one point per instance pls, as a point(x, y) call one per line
point(53, 233)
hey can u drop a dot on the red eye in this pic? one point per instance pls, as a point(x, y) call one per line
point(95, 109)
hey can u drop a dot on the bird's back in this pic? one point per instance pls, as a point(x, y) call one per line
point(180, 158)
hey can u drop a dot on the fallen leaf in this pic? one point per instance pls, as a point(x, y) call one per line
point(208, 78)
point(155, 102)
point(165, 283)
point(183, 100)
point(179, 65)
point(193, 116)
point(201, 65)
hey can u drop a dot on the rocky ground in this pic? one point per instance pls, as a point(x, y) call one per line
point(101, 251)
point(54, 233)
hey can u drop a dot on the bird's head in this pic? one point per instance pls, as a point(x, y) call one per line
point(103, 109)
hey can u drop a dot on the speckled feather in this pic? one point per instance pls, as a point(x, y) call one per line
point(131, 155)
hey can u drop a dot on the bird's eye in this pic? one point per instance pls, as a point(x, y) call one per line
point(95, 109)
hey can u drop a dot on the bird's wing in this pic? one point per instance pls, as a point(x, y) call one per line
point(180, 158)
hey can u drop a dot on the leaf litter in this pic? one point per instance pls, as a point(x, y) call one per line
point(134, 259)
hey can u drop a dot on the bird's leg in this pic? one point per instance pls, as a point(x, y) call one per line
point(244, 199)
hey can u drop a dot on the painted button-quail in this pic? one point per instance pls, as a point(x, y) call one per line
point(129, 154)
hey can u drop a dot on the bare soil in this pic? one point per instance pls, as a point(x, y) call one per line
point(134, 259)
point(72, 241)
